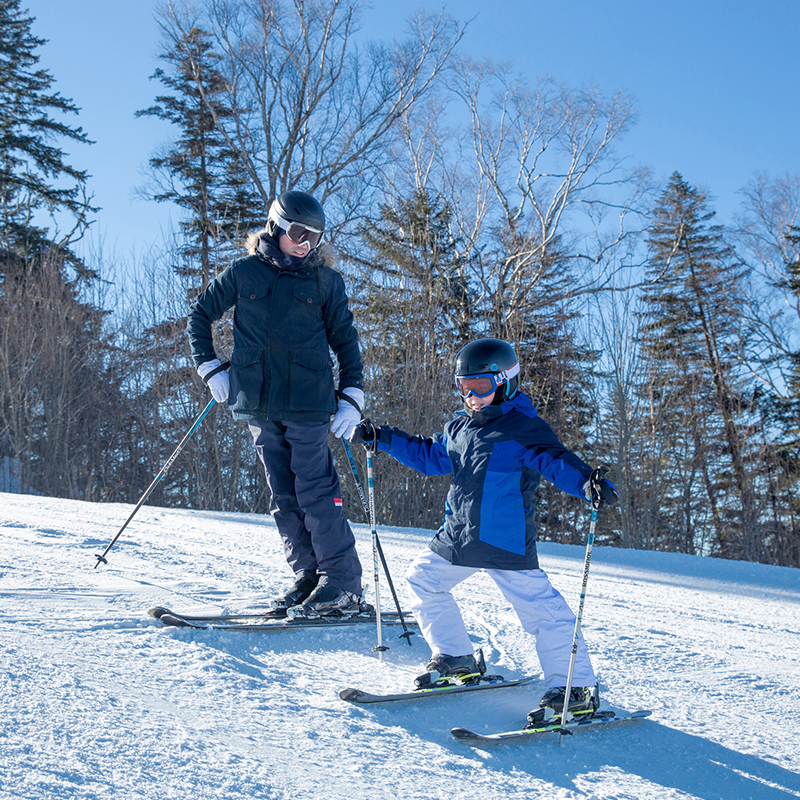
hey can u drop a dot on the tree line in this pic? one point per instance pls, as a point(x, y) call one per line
point(464, 201)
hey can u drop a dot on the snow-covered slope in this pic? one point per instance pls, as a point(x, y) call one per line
point(101, 701)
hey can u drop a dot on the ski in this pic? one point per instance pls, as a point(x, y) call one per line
point(160, 611)
point(601, 717)
point(262, 622)
point(487, 682)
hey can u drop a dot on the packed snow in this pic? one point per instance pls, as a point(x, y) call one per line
point(99, 700)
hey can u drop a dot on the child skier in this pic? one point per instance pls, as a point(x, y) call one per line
point(290, 308)
point(495, 449)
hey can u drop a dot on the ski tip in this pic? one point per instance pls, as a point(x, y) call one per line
point(175, 622)
point(158, 612)
point(640, 714)
point(466, 735)
point(353, 695)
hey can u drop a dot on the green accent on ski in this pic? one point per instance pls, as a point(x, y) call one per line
point(599, 718)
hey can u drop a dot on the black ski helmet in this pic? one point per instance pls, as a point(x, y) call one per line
point(295, 206)
point(492, 356)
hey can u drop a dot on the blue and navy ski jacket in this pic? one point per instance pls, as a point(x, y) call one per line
point(495, 459)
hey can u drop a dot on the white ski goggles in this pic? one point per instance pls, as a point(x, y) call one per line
point(296, 231)
point(484, 383)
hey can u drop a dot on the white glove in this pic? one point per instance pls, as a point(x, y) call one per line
point(219, 384)
point(348, 416)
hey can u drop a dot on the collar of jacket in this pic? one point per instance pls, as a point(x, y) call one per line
point(267, 248)
point(521, 402)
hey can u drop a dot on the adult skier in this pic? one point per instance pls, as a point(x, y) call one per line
point(290, 308)
point(495, 449)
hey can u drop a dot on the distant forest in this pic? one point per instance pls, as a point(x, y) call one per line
point(464, 201)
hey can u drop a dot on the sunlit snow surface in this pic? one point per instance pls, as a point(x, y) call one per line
point(101, 701)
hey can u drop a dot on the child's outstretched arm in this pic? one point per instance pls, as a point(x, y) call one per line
point(553, 460)
point(425, 455)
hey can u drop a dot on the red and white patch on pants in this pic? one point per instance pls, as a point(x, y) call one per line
point(337, 501)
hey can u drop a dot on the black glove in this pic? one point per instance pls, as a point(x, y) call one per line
point(598, 490)
point(365, 433)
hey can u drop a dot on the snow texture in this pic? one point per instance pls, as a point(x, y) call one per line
point(99, 700)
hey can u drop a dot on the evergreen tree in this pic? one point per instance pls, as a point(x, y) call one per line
point(34, 178)
point(204, 177)
point(691, 326)
point(558, 373)
point(780, 436)
point(414, 309)
point(529, 306)
point(791, 283)
point(199, 172)
point(59, 384)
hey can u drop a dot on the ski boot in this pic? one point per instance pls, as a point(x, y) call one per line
point(583, 703)
point(328, 601)
point(445, 670)
point(295, 594)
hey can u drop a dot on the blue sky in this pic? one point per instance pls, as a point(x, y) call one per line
point(715, 84)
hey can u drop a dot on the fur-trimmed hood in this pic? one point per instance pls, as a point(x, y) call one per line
point(261, 243)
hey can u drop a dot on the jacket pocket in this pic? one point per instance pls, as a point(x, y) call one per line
point(254, 292)
point(311, 381)
point(309, 297)
point(247, 377)
point(253, 309)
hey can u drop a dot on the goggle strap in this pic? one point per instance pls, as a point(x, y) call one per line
point(506, 375)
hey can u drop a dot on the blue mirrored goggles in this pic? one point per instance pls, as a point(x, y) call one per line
point(484, 383)
point(478, 385)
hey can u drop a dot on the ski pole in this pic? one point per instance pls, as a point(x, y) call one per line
point(407, 634)
point(158, 477)
point(597, 475)
point(379, 648)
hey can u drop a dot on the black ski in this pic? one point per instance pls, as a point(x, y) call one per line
point(601, 717)
point(487, 682)
point(263, 623)
point(160, 611)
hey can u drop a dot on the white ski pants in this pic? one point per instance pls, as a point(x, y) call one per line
point(542, 611)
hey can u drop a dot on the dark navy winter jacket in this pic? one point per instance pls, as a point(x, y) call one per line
point(495, 460)
point(288, 313)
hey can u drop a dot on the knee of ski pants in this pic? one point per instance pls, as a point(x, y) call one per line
point(430, 575)
point(420, 580)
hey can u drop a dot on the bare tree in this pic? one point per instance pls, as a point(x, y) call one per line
point(527, 181)
point(548, 179)
point(768, 236)
point(311, 109)
point(164, 394)
point(59, 383)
